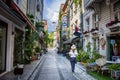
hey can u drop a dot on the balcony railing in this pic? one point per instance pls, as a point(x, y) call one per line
point(114, 26)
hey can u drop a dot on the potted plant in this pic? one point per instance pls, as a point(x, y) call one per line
point(115, 70)
point(37, 50)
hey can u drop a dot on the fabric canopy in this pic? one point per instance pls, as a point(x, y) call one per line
point(69, 41)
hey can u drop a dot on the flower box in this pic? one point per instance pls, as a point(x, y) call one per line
point(113, 24)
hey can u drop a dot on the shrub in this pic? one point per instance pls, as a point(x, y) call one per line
point(37, 49)
point(82, 56)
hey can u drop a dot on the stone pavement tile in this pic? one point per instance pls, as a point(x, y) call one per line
point(28, 69)
point(81, 74)
point(80, 71)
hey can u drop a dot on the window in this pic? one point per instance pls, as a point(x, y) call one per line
point(71, 13)
point(87, 23)
point(117, 10)
point(19, 2)
point(95, 21)
point(75, 10)
point(3, 30)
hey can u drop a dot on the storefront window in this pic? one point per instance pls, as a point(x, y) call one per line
point(2, 45)
point(114, 46)
point(88, 23)
point(117, 10)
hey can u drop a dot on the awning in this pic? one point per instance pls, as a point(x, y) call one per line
point(71, 40)
point(15, 7)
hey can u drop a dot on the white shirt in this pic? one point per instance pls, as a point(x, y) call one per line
point(73, 54)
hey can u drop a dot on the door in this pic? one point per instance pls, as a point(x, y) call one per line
point(3, 30)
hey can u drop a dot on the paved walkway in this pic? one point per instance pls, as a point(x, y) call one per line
point(28, 70)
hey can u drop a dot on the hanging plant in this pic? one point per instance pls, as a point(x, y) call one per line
point(77, 2)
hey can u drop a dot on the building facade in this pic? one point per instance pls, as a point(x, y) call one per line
point(35, 7)
point(12, 31)
point(106, 17)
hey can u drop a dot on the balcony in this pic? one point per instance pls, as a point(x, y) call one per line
point(89, 4)
point(85, 33)
point(114, 26)
point(94, 30)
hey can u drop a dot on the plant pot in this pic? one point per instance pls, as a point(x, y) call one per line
point(19, 69)
point(32, 58)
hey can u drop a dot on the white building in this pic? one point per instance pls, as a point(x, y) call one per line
point(90, 28)
point(74, 17)
point(12, 30)
point(107, 15)
point(35, 7)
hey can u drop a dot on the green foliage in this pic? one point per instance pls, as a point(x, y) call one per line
point(99, 76)
point(82, 56)
point(46, 38)
point(60, 16)
point(77, 2)
point(30, 37)
point(37, 49)
point(88, 47)
point(39, 25)
point(31, 17)
point(97, 55)
point(18, 48)
point(114, 67)
point(94, 57)
point(50, 39)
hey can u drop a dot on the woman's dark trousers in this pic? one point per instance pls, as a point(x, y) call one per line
point(72, 61)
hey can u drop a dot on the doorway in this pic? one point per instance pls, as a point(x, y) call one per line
point(114, 45)
point(3, 33)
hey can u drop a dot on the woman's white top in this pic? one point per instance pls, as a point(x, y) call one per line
point(73, 54)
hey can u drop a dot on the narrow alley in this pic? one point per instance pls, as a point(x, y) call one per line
point(59, 39)
point(57, 67)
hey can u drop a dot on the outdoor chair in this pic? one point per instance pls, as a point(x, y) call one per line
point(101, 62)
point(92, 66)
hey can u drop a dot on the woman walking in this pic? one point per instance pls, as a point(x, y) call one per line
point(73, 53)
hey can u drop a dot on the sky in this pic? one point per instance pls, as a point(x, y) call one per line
point(51, 12)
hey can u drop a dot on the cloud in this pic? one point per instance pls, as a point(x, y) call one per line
point(51, 12)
